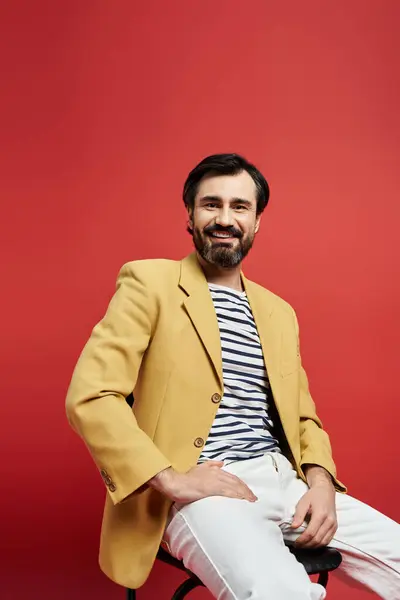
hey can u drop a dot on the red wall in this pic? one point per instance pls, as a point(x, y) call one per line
point(107, 105)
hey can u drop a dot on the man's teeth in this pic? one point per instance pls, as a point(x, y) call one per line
point(225, 235)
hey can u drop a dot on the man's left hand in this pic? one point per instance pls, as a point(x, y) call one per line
point(317, 506)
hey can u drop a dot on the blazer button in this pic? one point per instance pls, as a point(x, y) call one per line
point(199, 442)
point(216, 398)
point(112, 487)
point(108, 480)
point(103, 473)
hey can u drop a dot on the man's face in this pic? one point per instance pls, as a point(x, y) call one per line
point(224, 219)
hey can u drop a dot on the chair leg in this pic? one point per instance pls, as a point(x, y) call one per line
point(186, 587)
point(130, 594)
point(323, 578)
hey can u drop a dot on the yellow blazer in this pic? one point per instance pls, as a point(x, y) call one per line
point(160, 339)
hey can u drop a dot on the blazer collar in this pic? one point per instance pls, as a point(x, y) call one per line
point(200, 308)
point(192, 277)
point(262, 306)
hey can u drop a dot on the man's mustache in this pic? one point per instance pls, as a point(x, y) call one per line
point(233, 232)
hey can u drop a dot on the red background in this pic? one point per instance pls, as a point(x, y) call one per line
point(105, 108)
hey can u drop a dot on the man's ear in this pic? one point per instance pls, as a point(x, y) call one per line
point(189, 227)
point(258, 221)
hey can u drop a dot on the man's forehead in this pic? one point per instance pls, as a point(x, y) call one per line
point(240, 185)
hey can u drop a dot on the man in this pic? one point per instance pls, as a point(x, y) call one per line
point(223, 456)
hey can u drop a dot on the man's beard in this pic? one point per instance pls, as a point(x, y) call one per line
point(222, 254)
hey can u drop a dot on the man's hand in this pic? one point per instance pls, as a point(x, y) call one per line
point(201, 481)
point(318, 507)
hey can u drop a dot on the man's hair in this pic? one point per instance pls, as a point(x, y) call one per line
point(225, 164)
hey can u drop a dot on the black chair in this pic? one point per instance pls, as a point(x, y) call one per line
point(316, 562)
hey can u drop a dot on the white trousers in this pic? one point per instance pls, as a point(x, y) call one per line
point(236, 547)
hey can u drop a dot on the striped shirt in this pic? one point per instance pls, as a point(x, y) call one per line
point(242, 427)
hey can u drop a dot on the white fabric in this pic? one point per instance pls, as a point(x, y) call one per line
point(236, 547)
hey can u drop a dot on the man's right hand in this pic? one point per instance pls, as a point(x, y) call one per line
point(201, 481)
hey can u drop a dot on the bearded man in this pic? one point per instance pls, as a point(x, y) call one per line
point(222, 456)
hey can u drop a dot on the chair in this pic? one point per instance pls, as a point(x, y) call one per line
point(319, 561)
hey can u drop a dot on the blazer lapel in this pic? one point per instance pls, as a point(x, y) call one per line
point(269, 333)
point(200, 308)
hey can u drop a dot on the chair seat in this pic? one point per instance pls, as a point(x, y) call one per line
point(314, 561)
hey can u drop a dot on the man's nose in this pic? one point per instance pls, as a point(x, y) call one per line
point(224, 217)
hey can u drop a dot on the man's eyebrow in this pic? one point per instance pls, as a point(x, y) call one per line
point(212, 198)
point(242, 201)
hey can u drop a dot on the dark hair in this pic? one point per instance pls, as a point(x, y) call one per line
point(225, 164)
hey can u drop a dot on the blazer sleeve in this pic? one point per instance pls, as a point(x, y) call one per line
point(104, 376)
point(315, 446)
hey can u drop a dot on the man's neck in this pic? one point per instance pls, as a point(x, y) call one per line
point(229, 277)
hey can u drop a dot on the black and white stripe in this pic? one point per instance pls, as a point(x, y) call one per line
point(242, 427)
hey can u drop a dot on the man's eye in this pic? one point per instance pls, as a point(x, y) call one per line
point(240, 207)
point(211, 205)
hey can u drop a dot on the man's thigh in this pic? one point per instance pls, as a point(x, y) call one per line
point(236, 547)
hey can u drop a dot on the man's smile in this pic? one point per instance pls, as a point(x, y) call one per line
point(223, 235)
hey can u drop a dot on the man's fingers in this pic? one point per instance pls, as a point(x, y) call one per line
point(328, 537)
point(231, 492)
point(238, 487)
point(302, 509)
point(226, 484)
point(310, 531)
point(317, 532)
point(328, 531)
point(315, 541)
point(322, 538)
point(239, 484)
